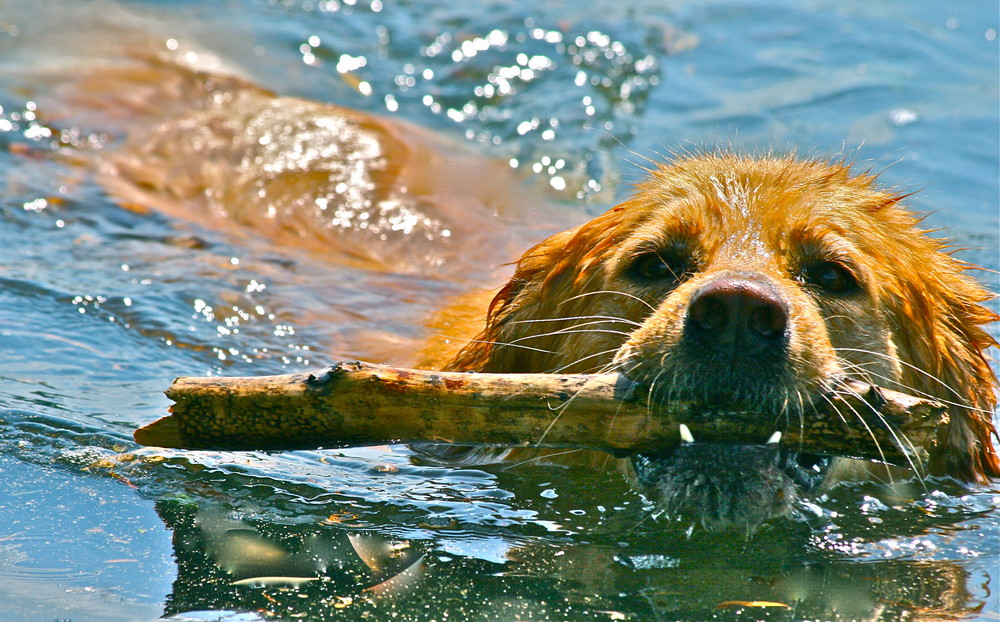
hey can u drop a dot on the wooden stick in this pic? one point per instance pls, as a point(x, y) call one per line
point(357, 404)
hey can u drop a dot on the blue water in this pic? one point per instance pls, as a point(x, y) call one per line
point(103, 304)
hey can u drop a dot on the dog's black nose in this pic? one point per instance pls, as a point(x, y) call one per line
point(737, 313)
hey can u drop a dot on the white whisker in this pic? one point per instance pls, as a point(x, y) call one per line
point(914, 389)
point(559, 411)
point(496, 343)
point(569, 331)
point(607, 318)
point(584, 358)
point(540, 457)
point(901, 440)
point(626, 294)
point(871, 433)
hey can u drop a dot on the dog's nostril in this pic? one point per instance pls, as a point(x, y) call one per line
point(737, 312)
point(709, 314)
point(767, 319)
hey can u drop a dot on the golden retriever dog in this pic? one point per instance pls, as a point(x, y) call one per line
point(753, 282)
point(725, 279)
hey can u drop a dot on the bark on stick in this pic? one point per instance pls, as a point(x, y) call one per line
point(357, 404)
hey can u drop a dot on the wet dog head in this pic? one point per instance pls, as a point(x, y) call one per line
point(758, 283)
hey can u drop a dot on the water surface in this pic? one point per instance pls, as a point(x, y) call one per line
point(103, 303)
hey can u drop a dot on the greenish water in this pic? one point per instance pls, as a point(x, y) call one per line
point(101, 306)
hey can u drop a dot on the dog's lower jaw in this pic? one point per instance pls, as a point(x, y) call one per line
point(727, 487)
point(719, 486)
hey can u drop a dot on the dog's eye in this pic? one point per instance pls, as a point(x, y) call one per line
point(832, 277)
point(659, 267)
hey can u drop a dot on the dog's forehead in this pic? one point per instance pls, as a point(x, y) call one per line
point(752, 213)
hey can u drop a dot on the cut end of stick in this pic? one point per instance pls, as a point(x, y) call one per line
point(161, 433)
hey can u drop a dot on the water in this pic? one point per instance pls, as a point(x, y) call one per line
point(101, 305)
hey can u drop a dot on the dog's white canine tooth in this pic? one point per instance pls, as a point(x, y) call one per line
point(775, 438)
point(686, 435)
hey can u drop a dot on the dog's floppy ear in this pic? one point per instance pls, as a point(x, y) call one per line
point(939, 321)
point(961, 364)
point(546, 282)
